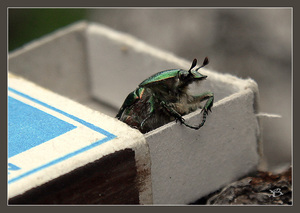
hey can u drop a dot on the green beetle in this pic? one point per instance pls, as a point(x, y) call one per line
point(163, 98)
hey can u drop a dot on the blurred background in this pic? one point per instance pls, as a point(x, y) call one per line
point(247, 42)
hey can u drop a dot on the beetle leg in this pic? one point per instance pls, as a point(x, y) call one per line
point(180, 118)
point(173, 112)
point(143, 122)
point(209, 96)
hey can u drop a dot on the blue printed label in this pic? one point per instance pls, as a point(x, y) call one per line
point(28, 127)
point(41, 135)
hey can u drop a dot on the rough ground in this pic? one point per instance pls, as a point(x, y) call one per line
point(262, 188)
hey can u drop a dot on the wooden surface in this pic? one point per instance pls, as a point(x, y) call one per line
point(109, 180)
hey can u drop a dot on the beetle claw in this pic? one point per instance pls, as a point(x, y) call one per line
point(181, 120)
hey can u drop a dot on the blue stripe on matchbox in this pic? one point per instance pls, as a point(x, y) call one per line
point(50, 126)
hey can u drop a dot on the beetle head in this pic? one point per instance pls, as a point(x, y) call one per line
point(187, 77)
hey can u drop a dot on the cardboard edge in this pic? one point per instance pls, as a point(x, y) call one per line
point(77, 26)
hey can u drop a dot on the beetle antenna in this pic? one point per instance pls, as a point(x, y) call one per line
point(205, 62)
point(193, 64)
